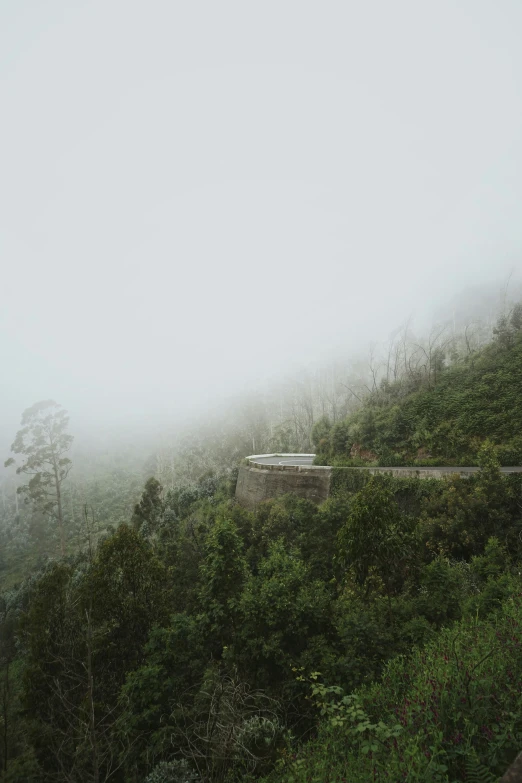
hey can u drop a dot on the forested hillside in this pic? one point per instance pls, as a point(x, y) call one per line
point(234, 229)
point(439, 412)
point(153, 631)
point(200, 641)
point(97, 496)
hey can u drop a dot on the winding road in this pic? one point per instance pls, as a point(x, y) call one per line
point(284, 459)
point(297, 460)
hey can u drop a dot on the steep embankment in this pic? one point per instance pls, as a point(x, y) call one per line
point(441, 418)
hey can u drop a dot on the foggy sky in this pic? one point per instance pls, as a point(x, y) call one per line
point(197, 195)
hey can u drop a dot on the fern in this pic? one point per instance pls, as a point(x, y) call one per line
point(477, 772)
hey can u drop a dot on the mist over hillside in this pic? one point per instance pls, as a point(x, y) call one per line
point(231, 228)
point(221, 198)
point(150, 423)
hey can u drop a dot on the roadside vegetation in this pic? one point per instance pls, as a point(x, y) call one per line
point(439, 410)
point(183, 638)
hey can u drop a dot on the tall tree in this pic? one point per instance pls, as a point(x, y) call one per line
point(148, 512)
point(376, 539)
point(43, 443)
point(222, 574)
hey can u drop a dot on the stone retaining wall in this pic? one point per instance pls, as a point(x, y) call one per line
point(258, 483)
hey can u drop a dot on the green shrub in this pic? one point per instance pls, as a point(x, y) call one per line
point(449, 712)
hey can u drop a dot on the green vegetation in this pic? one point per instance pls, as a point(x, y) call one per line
point(43, 443)
point(188, 644)
point(439, 413)
point(451, 711)
point(182, 638)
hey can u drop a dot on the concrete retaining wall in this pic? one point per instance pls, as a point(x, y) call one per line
point(255, 484)
point(258, 482)
point(417, 472)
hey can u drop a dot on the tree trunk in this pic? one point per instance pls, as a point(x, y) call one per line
point(92, 720)
point(60, 511)
point(5, 716)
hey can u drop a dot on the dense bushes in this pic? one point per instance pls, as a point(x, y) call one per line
point(185, 645)
point(450, 711)
point(440, 422)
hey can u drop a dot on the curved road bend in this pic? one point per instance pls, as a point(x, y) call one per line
point(307, 460)
point(282, 460)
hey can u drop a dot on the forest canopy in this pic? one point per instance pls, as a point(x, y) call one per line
point(158, 632)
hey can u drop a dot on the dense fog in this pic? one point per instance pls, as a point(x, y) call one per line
point(199, 199)
point(288, 229)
